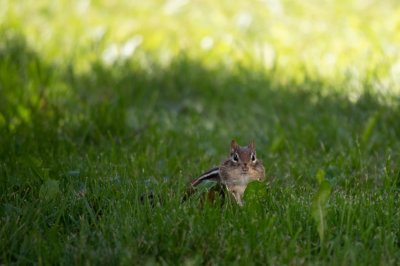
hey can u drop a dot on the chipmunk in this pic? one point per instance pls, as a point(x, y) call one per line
point(234, 173)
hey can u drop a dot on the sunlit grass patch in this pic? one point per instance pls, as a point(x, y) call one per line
point(338, 40)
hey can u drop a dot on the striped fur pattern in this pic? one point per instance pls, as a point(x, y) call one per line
point(233, 174)
point(212, 175)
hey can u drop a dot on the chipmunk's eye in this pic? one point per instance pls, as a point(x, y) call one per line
point(235, 157)
point(253, 157)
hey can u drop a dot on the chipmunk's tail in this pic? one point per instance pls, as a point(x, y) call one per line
point(151, 198)
point(211, 175)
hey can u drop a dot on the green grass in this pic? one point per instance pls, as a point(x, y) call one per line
point(84, 132)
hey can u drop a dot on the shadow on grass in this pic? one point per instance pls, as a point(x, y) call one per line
point(186, 110)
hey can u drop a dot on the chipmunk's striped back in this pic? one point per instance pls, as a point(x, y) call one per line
point(212, 175)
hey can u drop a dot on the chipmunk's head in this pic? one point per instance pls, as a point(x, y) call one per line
point(244, 158)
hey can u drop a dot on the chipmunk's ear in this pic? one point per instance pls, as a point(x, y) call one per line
point(234, 146)
point(252, 145)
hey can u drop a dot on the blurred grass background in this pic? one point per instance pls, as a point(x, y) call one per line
point(329, 39)
point(101, 101)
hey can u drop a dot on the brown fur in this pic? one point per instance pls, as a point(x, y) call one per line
point(234, 173)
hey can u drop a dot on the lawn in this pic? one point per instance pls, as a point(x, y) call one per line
point(104, 102)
